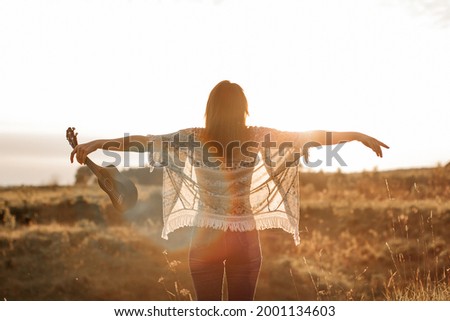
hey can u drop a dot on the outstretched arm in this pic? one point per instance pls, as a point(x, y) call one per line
point(322, 137)
point(81, 151)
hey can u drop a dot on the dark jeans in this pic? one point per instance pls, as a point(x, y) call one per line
point(214, 252)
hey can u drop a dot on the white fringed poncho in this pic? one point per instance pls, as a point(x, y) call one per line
point(259, 191)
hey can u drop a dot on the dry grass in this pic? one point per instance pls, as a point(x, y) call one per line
point(362, 239)
point(81, 262)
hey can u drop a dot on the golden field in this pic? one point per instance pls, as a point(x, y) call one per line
point(365, 236)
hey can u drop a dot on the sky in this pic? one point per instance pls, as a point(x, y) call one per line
point(146, 67)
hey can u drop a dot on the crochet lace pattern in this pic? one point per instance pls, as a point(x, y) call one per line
point(257, 189)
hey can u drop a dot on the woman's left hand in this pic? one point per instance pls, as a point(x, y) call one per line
point(373, 144)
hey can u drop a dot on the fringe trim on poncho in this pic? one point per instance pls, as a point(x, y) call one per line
point(265, 221)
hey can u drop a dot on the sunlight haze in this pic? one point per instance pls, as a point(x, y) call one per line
point(147, 67)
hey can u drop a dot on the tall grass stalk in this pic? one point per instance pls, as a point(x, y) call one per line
point(178, 293)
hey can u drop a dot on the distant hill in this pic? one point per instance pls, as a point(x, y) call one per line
point(141, 176)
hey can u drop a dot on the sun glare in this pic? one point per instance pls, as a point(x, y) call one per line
point(147, 68)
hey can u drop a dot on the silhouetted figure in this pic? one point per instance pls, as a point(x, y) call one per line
point(228, 181)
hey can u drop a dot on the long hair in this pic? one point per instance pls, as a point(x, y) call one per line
point(226, 113)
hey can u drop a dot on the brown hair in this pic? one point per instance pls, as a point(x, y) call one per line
point(226, 112)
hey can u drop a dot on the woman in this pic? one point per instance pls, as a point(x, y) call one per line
point(228, 181)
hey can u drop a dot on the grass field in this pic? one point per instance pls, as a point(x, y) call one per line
point(365, 236)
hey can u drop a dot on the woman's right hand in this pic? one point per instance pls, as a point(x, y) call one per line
point(81, 151)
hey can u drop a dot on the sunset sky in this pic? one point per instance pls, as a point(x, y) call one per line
point(146, 67)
